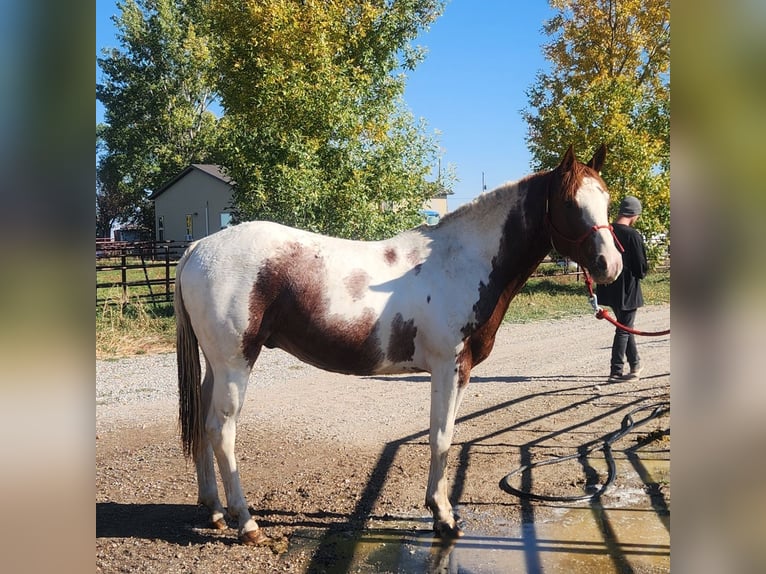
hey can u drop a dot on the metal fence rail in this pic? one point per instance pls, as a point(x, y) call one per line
point(130, 271)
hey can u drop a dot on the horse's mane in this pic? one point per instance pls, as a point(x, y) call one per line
point(483, 201)
point(571, 181)
point(489, 200)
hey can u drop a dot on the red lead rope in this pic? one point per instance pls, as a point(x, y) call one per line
point(602, 313)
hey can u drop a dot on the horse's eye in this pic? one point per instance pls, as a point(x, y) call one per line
point(569, 203)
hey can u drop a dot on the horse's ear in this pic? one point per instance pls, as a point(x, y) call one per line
point(568, 160)
point(597, 161)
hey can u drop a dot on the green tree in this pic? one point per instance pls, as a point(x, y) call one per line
point(157, 90)
point(112, 204)
point(609, 82)
point(318, 135)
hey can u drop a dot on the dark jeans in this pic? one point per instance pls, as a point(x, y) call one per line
point(624, 344)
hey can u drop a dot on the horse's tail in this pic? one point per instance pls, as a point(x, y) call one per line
point(189, 371)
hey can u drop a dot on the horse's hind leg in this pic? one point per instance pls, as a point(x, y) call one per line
point(208, 490)
point(206, 483)
point(221, 428)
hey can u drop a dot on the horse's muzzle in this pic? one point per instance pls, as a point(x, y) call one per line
point(606, 269)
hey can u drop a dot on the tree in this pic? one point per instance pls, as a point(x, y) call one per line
point(110, 202)
point(318, 135)
point(609, 82)
point(157, 91)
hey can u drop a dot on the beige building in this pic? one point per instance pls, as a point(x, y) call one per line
point(198, 202)
point(435, 208)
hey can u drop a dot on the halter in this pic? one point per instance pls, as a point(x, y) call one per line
point(555, 233)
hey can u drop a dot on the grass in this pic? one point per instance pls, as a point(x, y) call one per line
point(131, 275)
point(135, 328)
point(555, 298)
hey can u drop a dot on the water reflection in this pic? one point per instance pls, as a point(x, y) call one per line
point(634, 541)
point(577, 539)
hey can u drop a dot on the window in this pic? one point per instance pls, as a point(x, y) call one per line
point(189, 227)
point(225, 220)
point(161, 228)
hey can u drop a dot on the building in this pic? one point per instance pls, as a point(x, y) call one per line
point(198, 202)
point(193, 205)
point(435, 209)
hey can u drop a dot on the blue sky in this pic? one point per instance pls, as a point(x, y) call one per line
point(482, 57)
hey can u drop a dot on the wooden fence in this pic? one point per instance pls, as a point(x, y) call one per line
point(130, 271)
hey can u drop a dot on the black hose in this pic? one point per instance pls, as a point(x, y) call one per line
point(627, 425)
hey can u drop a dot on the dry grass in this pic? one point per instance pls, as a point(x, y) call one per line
point(131, 328)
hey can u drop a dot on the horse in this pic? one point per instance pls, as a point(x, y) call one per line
point(429, 299)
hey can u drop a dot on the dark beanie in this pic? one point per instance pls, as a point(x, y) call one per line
point(630, 206)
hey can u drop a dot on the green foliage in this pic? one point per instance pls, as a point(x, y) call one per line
point(113, 201)
point(317, 133)
point(609, 82)
point(156, 90)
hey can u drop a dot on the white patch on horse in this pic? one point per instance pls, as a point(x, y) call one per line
point(593, 200)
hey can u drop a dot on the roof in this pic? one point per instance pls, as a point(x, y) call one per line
point(209, 168)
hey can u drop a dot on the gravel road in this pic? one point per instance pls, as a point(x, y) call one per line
point(328, 454)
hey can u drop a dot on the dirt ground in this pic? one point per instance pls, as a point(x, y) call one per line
point(327, 459)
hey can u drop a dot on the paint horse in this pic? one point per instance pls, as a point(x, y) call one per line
point(429, 299)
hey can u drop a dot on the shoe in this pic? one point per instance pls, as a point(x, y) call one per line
point(634, 374)
point(615, 377)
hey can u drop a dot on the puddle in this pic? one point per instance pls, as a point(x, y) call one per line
point(580, 540)
point(632, 537)
point(585, 539)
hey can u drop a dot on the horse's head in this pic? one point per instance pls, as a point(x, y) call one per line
point(578, 219)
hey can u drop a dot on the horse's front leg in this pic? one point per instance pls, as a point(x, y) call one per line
point(446, 395)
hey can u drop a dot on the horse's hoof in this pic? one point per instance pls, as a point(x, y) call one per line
point(219, 524)
point(448, 531)
point(254, 538)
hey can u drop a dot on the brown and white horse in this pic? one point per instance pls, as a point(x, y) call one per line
point(429, 299)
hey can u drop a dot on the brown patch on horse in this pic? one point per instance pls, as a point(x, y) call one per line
point(356, 283)
point(390, 255)
point(401, 343)
point(511, 267)
point(289, 309)
point(463, 365)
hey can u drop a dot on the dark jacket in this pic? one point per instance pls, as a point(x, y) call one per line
point(625, 293)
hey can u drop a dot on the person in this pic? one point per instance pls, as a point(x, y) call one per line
point(624, 295)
